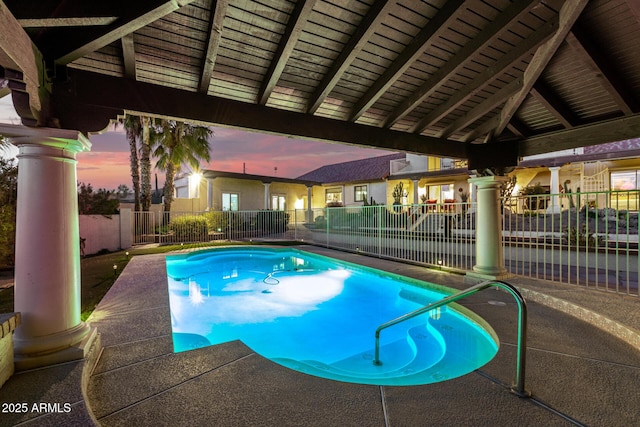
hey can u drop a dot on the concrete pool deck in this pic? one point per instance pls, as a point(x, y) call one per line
point(580, 372)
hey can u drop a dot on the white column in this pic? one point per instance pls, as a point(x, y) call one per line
point(489, 260)
point(472, 194)
point(47, 269)
point(554, 207)
point(415, 191)
point(266, 195)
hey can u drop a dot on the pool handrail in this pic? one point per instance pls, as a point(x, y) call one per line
point(518, 387)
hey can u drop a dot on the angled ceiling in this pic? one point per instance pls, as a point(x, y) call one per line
point(489, 80)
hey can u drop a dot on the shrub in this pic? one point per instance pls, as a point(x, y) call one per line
point(189, 228)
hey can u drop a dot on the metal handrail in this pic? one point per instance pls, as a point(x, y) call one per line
point(518, 388)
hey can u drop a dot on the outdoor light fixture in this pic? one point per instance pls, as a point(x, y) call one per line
point(439, 262)
point(127, 254)
point(357, 248)
point(115, 269)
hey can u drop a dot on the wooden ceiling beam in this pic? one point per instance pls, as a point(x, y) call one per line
point(297, 20)
point(120, 28)
point(67, 22)
point(619, 129)
point(22, 65)
point(129, 56)
point(568, 15)
point(556, 106)
point(602, 67)
point(409, 55)
point(480, 41)
point(86, 94)
point(487, 76)
point(216, 22)
point(363, 33)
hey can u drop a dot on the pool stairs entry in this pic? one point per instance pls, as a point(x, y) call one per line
point(418, 356)
point(416, 359)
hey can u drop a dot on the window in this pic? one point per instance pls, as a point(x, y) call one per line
point(229, 202)
point(440, 193)
point(360, 193)
point(624, 184)
point(278, 202)
point(333, 195)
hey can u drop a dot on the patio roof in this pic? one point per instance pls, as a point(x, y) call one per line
point(437, 77)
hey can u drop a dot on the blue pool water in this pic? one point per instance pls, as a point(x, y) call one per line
point(318, 315)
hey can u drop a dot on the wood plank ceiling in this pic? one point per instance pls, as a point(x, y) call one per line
point(432, 76)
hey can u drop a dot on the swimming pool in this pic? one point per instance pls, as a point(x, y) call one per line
point(318, 315)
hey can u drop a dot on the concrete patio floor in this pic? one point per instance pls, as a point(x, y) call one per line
point(583, 368)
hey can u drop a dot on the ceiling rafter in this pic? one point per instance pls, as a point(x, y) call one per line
point(482, 109)
point(610, 79)
point(603, 132)
point(409, 55)
point(297, 20)
point(478, 42)
point(67, 22)
point(488, 75)
point(363, 33)
point(216, 22)
point(129, 56)
point(556, 106)
point(119, 29)
point(568, 15)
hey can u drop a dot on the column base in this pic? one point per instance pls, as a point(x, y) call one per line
point(77, 351)
point(473, 277)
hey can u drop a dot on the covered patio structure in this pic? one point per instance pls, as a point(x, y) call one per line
point(488, 81)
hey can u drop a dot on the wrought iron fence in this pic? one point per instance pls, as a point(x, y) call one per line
point(584, 239)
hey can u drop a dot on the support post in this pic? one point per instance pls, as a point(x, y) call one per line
point(554, 207)
point(47, 270)
point(489, 260)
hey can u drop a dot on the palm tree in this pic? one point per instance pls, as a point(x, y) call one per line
point(145, 164)
point(133, 129)
point(179, 143)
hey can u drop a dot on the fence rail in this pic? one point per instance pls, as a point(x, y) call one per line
point(584, 239)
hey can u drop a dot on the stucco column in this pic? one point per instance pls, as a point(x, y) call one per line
point(489, 260)
point(47, 269)
point(415, 191)
point(266, 195)
point(554, 206)
point(472, 194)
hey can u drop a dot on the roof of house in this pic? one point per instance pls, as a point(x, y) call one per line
point(371, 169)
point(263, 178)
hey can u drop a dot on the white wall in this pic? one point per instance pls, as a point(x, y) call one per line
point(105, 232)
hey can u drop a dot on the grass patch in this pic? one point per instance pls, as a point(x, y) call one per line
point(97, 273)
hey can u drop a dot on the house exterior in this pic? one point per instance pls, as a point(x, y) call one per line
point(352, 183)
point(424, 179)
point(230, 191)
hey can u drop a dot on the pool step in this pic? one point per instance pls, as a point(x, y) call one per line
point(400, 360)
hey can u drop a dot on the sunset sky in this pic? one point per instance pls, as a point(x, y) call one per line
point(107, 164)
